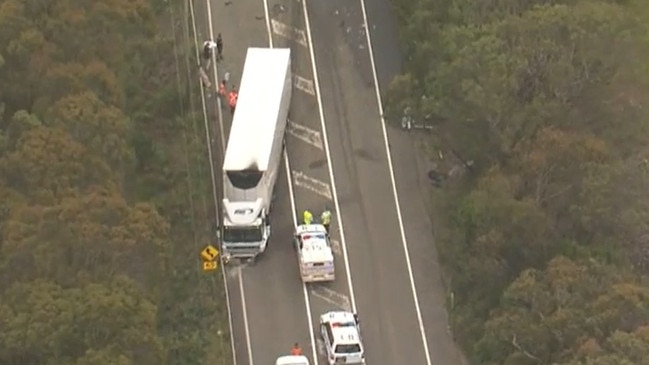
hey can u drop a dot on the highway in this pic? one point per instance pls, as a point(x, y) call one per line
point(337, 157)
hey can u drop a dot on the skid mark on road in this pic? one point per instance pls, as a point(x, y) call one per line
point(332, 297)
point(288, 32)
point(305, 134)
point(304, 84)
point(302, 180)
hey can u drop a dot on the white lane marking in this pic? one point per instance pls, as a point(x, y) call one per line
point(288, 32)
point(245, 316)
point(305, 293)
point(307, 301)
point(302, 180)
point(335, 246)
point(323, 125)
point(338, 300)
point(209, 151)
point(303, 84)
point(404, 242)
point(305, 134)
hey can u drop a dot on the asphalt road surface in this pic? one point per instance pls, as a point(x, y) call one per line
point(271, 309)
point(338, 158)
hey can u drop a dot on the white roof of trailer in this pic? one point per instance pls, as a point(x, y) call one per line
point(255, 119)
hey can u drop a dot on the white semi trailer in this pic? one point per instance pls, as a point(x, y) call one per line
point(254, 151)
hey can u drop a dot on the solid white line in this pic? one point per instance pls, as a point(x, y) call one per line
point(404, 242)
point(268, 27)
point(211, 157)
point(245, 316)
point(216, 76)
point(328, 154)
point(307, 303)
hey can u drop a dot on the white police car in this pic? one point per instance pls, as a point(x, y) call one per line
point(292, 360)
point(342, 338)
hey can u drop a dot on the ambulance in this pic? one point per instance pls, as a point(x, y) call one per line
point(315, 256)
point(341, 335)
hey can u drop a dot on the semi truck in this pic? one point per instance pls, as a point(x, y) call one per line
point(254, 152)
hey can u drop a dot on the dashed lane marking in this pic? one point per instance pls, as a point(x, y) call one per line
point(304, 85)
point(302, 180)
point(305, 134)
point(335, 246)
point(288, 32)
point(340, 301)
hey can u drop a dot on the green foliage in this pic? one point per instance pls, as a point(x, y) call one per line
point(544, 237)
point(104, 190)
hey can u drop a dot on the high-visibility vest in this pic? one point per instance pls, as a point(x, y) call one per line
point(233, 99)
point(326, 217)
point(308, 217)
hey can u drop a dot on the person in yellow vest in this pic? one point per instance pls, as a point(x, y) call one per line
point(325, 219)
point(307, 217)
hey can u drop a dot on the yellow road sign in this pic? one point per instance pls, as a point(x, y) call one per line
point(210, 265)
point(209, 253)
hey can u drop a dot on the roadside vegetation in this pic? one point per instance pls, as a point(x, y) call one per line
point(540, 131)
point(104, 189)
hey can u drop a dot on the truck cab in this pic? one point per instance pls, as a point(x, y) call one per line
point(292, 360)
point(315, 256)
point(341, 335)
point(246, 229)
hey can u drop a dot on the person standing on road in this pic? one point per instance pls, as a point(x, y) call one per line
point(223, 91)
point(307, 217)
point(325, 218)
point(296, 350)
point(232, 99)
point(208, 46)
point(219, 47)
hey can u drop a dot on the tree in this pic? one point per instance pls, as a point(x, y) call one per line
point(548, 100)
point(105, 130)
point(95, 235)
point(45, 323)
point(47, 164)
point(545, 315)
point(506, 80)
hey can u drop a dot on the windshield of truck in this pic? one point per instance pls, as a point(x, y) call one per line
point(249, 234)
point(245, 179)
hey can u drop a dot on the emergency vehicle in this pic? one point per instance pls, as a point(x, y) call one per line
point(292, 360)
point(342, 338)
point(315, 256)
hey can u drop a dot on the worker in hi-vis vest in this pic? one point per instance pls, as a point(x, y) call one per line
point(325, 218)
point(308, 217)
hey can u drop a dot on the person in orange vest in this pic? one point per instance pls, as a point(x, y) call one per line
point(296, 350)
point(232, 99)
